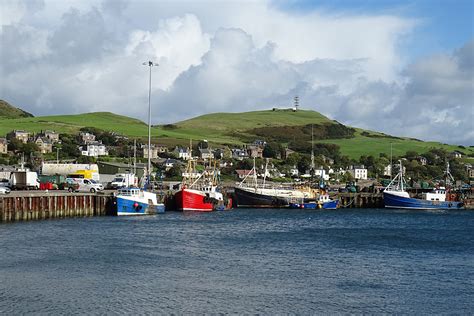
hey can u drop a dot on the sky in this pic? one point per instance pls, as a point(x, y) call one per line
point(405, 68)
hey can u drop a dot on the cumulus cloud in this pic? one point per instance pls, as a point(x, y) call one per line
point(82, 56)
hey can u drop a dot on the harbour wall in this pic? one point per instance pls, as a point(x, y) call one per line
point(54, 205)
point(360, 200)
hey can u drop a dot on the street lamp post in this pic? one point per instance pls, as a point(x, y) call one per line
point(150, 64)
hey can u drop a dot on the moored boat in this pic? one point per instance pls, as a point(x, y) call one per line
point(396, 196)
point(263, 195)
point(135, 201)
point(323, 202)
point(202, 194)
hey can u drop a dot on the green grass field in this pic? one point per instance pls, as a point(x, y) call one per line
point(218, 129)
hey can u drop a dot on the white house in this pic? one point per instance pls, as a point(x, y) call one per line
point(94, 149)
point(294, 172)
point(182, 153)
point(206, 153)
point(322, 174)
point(358, 172)
point(153, 151)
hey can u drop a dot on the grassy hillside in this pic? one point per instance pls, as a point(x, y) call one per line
point(230, 129)
point(9, 111)
point(72, 123)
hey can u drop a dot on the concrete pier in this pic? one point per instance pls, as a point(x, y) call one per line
point(16, 207)
point(360, 200)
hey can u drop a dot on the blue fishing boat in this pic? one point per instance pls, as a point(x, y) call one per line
point(395, 196)
point(323, 202)
point(135, 201)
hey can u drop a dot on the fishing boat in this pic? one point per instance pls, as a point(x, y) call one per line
point(263, 195)
point(396, 196)
point(322, 202)
point(135, 201)
point(199, 191)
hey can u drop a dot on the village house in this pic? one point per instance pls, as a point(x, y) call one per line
point(182, 153)
point(86, 137)
point(153, 151)
point(320, 172)
point(242, 173)
point(456, 154)
point(239, 154)
point(327, 160)
point(94, 149)
point(387, 171)
point(52, 136)
point(358, 172)
point(22, 136)
point(255, 151)
point(205, 153)
point(422, 160)
point(44, 144)
point(3, 146)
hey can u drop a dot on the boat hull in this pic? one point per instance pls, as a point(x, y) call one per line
point(394, 201)
point(193, 200)
point(329, 205)
point(256, 200)
point(126, 206)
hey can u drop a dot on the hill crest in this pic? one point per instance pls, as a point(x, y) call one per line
point(9, 111)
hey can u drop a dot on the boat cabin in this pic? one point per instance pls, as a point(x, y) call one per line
point(436, 195)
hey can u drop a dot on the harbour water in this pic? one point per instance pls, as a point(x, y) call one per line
point(241, 261)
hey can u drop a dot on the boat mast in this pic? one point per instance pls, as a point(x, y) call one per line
point(312, 150)
point(149, 64)
point(134, 157)
point(401, 175)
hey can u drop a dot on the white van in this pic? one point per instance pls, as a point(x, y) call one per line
point(85, 185)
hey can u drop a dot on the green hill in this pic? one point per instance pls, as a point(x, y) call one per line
point(9, 111)
point(235, 129)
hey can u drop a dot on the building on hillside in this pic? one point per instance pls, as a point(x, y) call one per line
point(153, 151)
point(94, 149)
point(294, 172)
point(86, 137)
point(52, 136)
point(241, 173)
point(358, 172)
point(327, 160)
point(239, 154)
point(205, 153)
point(260, 143)
point(255, 151)
point(456, 154)
point(387, 171)
point(21, 135)
point(422, 160)
point(182, 153)
point(44, 144)
point(3, 145)
point(321, 173)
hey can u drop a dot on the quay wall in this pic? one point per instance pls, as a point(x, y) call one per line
point(37, 207)
point(360, 200)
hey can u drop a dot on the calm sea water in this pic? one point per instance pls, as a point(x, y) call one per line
point(242, 261)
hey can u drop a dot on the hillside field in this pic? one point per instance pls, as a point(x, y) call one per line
point(223, 129)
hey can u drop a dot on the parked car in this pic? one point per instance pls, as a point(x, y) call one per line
point(85, 185)
point(4, 190)
point(4, 183)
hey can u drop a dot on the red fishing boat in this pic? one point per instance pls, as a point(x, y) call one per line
point(198, 191)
